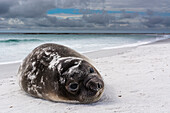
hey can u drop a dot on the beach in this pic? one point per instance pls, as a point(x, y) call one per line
point(137, 80)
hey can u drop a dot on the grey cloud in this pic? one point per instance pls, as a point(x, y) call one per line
point(5, 5)
point(128, 15)
point(150, 12)
point(69, 3)
point(156, 5)
point(52, 21)
point(101, 19)
point(33, 14)
point(159, 22)
point(31, 8)
point(39, 8)
point(78, 3)
point(138, 5)
point(49, 22)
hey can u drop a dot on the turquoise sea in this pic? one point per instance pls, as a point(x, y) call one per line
point(15, 47)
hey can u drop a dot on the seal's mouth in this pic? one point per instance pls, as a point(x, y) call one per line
point(95, 98)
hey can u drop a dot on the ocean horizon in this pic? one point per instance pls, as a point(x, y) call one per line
point(84, 32)
point(15, 47)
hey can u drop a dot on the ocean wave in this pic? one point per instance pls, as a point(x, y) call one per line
point(18, 40)
point(139, 43)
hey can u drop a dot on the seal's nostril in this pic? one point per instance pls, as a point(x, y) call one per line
point(95, 86)
point(99, 85)
point(92, 86)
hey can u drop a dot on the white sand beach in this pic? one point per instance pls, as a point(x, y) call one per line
point(137, 80)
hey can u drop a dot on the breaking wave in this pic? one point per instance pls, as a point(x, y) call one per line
point(18, 40)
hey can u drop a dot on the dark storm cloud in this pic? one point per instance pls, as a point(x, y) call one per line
point(5, 5)
point(31, 8)
point(38, 23)
point(32, 14)
point(37, 8)
point(160, 22)
point(150, 12)
point(77, 3)
point(53, 22)
point(125, 15)
point(141, 5)
point(101, 19)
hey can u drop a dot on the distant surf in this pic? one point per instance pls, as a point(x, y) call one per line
point(15, 47)
point(18, 40)
point(140, 43)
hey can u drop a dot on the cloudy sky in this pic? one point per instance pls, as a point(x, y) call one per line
point(84, 14)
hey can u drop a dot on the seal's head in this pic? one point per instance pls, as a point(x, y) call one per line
point(79, 81)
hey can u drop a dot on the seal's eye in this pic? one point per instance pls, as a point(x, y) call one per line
point(91, 70)
point(73, 86)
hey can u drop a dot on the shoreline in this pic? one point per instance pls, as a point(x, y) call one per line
point(136, 81)
point(110, 51)
point(13, 66)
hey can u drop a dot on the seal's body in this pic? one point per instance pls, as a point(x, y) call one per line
point(58, 73)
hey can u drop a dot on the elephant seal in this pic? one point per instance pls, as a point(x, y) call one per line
point(58, 73)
